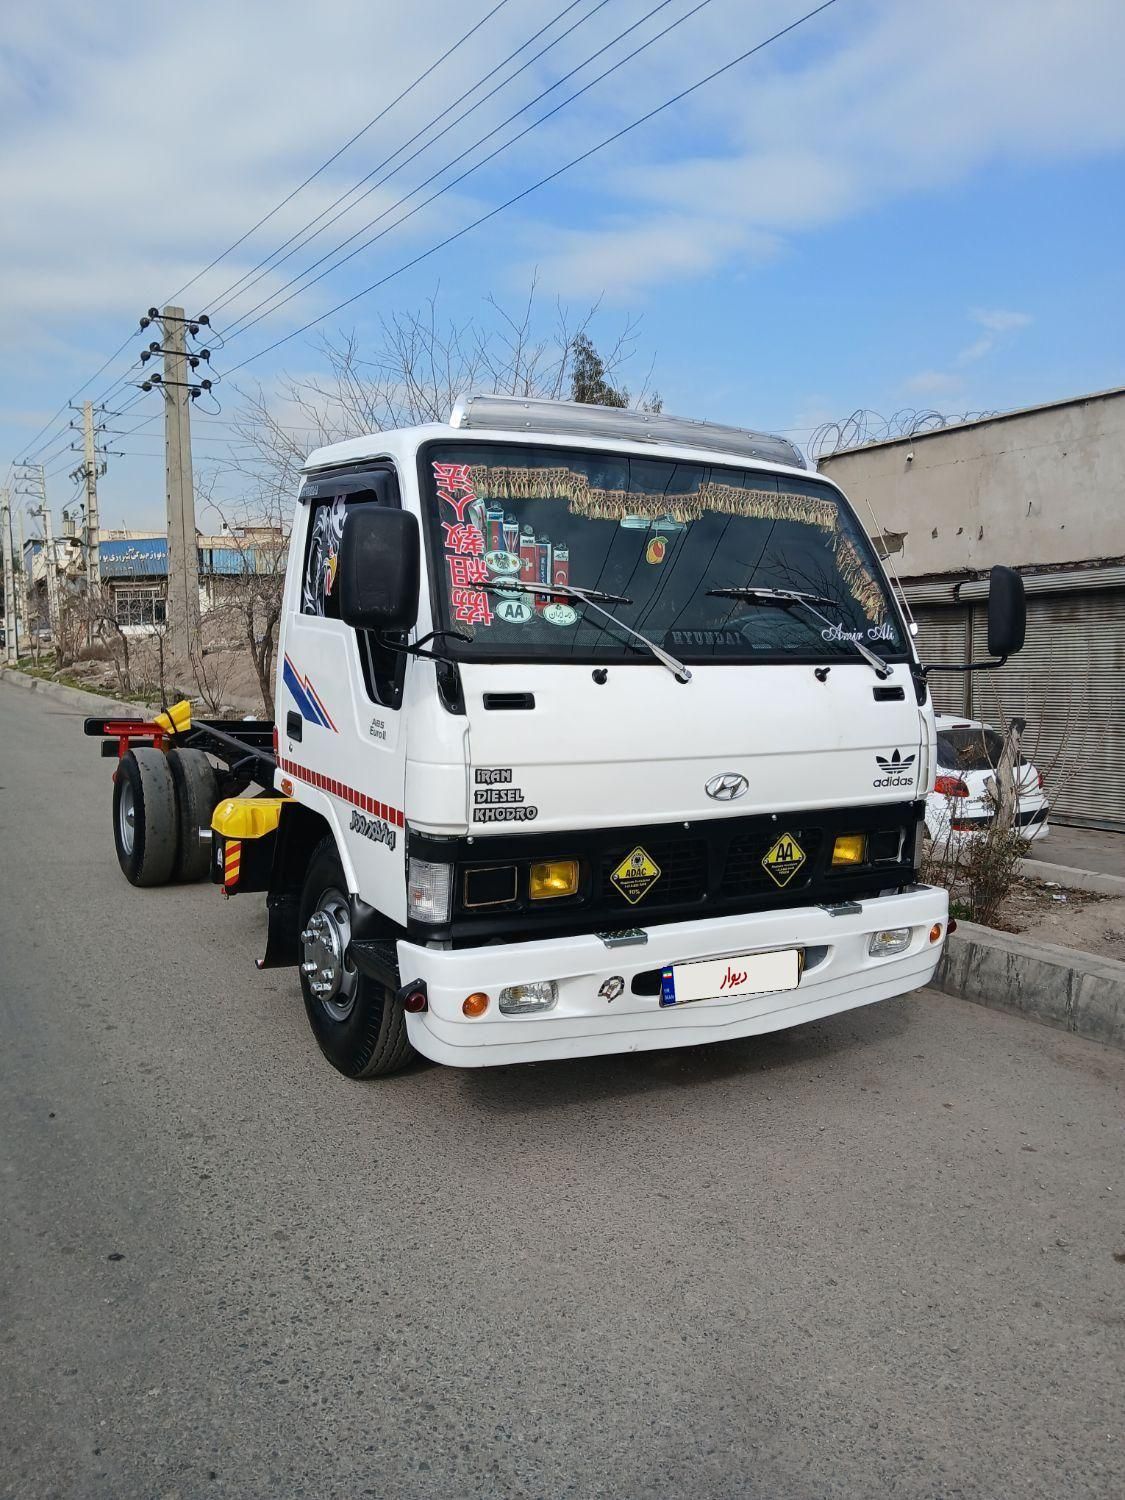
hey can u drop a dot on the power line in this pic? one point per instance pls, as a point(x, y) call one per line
point(542, 182)
point(75, 394)
point(32, 453)
point(240, 325)
point(270, 262)
point(337, 154)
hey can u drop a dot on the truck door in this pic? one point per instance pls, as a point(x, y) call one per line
point(341, 696)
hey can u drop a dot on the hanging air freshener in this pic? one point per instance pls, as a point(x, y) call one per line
point(656, 550)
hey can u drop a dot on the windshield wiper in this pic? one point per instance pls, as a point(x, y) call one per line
point(591, 597)
point(786, 598)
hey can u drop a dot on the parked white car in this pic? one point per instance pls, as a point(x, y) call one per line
point(968, 752)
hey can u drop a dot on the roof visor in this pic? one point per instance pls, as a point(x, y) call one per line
point(576, 419)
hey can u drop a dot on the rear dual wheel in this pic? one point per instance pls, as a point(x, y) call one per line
point(161, 805)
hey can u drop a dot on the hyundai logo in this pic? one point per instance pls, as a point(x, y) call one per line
point(727, 786)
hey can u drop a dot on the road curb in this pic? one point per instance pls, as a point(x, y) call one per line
point(1064, 987)
point(92, 703)
point(1078, 880)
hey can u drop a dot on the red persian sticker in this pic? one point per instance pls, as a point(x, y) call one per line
point(464, 547)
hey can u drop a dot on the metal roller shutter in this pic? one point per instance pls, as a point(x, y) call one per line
point(943, 636)
point(1069, 684)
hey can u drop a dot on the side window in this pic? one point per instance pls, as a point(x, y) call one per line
point(318, 582)
point(383, 665)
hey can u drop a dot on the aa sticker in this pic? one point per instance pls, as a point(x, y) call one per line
point(636, 875)
point(784, 860)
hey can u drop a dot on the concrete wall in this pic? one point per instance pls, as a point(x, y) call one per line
point(1038, 487)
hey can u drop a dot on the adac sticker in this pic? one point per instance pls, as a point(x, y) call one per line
point(784, 859)
point(636, 875)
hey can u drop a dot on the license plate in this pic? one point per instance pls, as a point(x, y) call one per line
point(716, 978)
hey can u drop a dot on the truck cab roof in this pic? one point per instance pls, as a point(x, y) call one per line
point(565, 424)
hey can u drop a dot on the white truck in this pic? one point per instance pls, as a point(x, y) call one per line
point(596, 731)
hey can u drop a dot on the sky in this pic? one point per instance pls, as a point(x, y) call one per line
point(895, 205)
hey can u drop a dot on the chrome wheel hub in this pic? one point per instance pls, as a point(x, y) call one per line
point(126, 818)
point(331, 977)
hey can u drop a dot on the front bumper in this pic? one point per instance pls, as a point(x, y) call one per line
point(839, 975)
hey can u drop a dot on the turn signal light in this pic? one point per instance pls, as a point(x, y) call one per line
point(549, 881)
point(849, 849)
point(475, 1004)
point(935, 933)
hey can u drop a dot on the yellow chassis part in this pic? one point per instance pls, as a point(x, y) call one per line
point(248, 817)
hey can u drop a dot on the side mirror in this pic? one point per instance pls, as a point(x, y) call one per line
point(378, 569)
point(1007, 612)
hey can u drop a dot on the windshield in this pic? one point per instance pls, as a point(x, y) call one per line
point(658, 534)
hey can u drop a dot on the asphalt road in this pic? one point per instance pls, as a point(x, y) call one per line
point(881, 1255)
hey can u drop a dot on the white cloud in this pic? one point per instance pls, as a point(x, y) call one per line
point(997, 320)
point(855, 109)
point(998, 324)
point(935, 383)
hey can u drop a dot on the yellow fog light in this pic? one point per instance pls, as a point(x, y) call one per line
point(559, 878)
point(849, 849)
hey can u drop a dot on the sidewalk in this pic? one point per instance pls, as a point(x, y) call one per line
point(1081, 849)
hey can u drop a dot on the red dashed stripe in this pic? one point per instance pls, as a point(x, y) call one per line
point(392, 815)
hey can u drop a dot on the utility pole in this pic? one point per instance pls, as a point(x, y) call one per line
point(183, 551)
point(52, 571)
point(90, 465)
point(32, 481)
point(26, 587)
point(10, 625)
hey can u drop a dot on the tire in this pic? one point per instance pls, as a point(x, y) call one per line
point(358, 1023)
point(197, 795)
point(145, 822)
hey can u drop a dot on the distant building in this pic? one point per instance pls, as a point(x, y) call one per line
point(1042, 490)
point(134, 569)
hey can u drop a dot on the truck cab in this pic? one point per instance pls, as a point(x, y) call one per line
point(598, 731)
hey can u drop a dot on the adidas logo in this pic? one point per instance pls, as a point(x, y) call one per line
point(897, 769)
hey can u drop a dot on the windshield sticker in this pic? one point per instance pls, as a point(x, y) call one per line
point(636, 875)
point(464, 546)
point(884, 631)
point(784, 859)
point(560, 614)
point(516, 611)
point(656, 550)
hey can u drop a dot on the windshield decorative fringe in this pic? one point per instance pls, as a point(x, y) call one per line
point(511, 482)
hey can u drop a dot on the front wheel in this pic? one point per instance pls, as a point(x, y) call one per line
point(358, 1023)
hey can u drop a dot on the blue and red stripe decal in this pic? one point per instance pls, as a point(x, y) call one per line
point(306, 697)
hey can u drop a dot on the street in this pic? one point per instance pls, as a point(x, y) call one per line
point(881, 1255)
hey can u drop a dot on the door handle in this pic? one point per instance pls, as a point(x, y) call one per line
point(294, 725)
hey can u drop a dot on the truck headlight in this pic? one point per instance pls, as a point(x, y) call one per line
point(429, 891)
point(557, 878)
point(849, 849)
point(523, 999)
point(890, 941)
